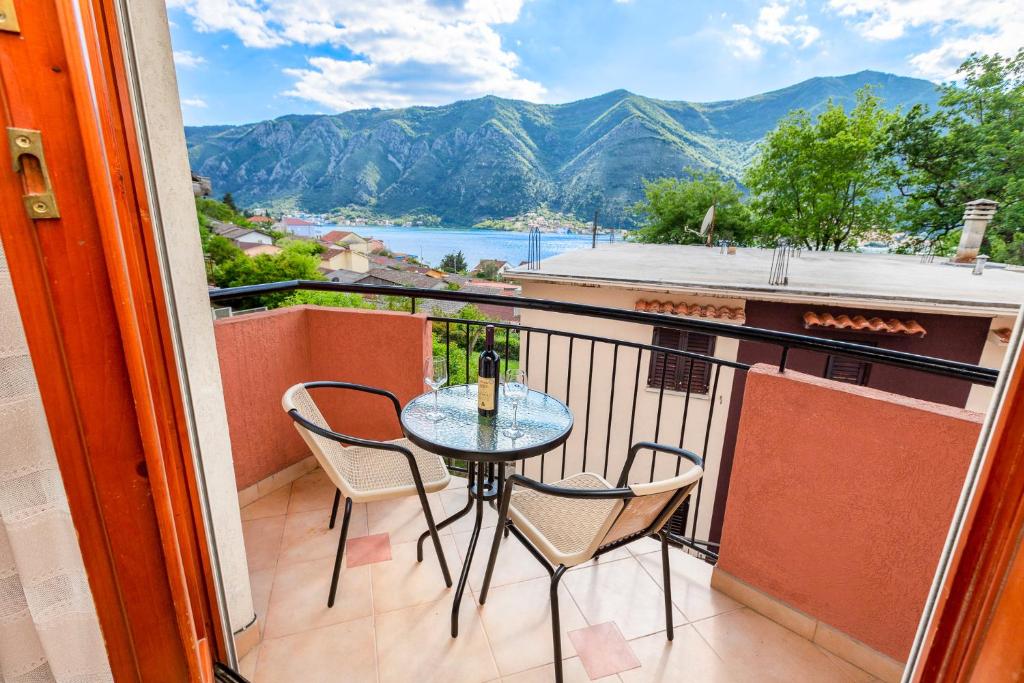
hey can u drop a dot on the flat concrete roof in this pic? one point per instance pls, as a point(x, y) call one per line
point(890, 281)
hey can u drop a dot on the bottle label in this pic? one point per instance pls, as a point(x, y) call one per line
point(485, 393)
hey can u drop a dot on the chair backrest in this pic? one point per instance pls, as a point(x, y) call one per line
point(328, 452)
point(652, 505)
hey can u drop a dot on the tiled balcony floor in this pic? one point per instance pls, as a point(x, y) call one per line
point(390, 621)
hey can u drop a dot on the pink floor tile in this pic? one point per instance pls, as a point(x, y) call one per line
point(603, 650)
point(367, 550)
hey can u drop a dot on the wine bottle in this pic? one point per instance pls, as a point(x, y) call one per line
point(488, 368)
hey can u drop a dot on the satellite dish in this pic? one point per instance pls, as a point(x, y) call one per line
point(708, 222)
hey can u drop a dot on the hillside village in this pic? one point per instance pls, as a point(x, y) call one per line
point(264, 249)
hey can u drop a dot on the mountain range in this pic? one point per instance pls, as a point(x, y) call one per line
point(493, 157)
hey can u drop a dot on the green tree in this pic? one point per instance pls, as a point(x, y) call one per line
point(673, 208)
point(295, 262)
point(819, 181)
point(229, 201)
point(454, 262)
point(489, 272)
point(971, 147)
point(335, 299)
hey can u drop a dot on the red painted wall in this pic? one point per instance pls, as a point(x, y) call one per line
point(262, 354)
point(841, 498)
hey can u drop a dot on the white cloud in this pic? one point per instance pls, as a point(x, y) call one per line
point(960, 26)
point(196, 102)
point(775, 26)
point(407, 51)
point(188, 59)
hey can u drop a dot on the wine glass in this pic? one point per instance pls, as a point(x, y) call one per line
point(435, 375)
point(515, 388)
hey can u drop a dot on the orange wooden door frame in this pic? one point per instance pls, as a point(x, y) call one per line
point(90, 295)
point(977, 631)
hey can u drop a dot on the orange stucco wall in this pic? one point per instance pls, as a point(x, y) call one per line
point(841, 498)
point(262, 354)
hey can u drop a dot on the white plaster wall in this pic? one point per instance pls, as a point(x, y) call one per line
point(646, 423)
point(991, 357)
point(188, 287)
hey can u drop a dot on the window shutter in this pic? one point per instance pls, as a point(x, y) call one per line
point(847, 370)
point(703, 344)
point(677, 368)
point(665, 362)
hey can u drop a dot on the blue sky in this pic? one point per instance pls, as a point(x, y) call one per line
point(248, 60)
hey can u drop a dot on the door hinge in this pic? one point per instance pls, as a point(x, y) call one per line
point(27, 158)
point(8, 17)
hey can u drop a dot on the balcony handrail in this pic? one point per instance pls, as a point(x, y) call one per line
point(786, 340)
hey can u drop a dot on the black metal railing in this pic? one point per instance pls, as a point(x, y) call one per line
point(626, 357)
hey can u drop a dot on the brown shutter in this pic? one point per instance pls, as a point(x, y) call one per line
point(847, 370)
point(677, 368)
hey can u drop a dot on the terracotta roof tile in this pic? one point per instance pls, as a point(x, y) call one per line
point(1003, 335)
point(693, 310)
point(862, 324)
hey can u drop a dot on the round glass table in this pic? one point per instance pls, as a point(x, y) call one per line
point(545, 423)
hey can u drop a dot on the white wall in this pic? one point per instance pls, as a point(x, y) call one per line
point(185, 277)
point(991, 357)
point(646, 423)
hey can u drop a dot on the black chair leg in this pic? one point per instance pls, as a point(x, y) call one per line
point(341, 551)
point(334, 508)
point(491, 560)
point(432, 528)
point(556, 628)
point(667, 581)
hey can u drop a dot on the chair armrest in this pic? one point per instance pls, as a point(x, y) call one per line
point(657, 448)
point(358, 387)
point(565, 492)
point(345, 438)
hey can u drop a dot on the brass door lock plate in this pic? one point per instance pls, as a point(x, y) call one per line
point(26, 144)
point(8, 17)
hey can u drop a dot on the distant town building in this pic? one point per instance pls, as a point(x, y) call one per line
point(261, 220)
point(239, 234)
point(500, 267)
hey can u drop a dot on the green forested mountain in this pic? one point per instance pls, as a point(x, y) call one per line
point(493, 157)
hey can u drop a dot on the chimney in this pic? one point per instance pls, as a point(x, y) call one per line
point(977, 216)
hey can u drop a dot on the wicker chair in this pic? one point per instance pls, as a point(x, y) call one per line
point(583, 516)
point(366, 470)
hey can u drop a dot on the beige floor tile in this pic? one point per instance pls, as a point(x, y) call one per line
point(691, 585)
point(313, 491)
point(323, 655)
point(852, 672)
point(621, 592)
point(514, 563)
point(403, 518)
point(262, 541)
point(298, 600)
point(610, 556)
point(756, 648)
point(307, 536)
point(454, 500)
point(404, 582)
point(643, 546)
point(457, 482)
point(261, 581)
point(247, 664)
point(517, 619)
point(572, 672)
point(415, 644)
point(686, 658)
point(271, 505)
